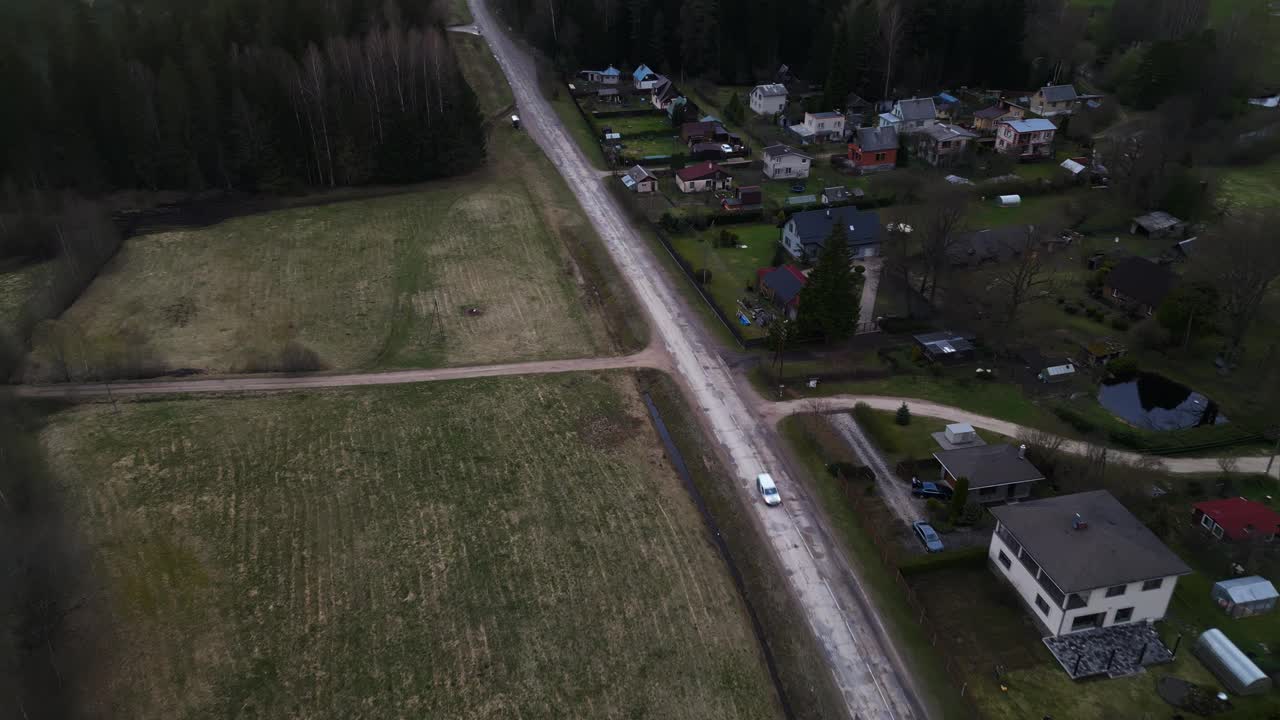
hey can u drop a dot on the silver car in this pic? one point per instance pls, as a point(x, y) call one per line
point(928, 536)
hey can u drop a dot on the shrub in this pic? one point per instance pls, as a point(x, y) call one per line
point(728, 239)
point(1081, 423)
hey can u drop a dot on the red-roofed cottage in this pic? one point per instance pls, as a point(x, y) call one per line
point(1237, 519)
point(702, 177)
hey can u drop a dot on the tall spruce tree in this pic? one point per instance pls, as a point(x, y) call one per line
point(828, 304)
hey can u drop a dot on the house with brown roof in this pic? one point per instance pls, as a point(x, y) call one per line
point(703, 177)
point(1052, 100)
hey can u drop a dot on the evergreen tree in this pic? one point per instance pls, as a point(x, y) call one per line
point(959, 498)
point(828, 304)
point(903, 417)
point(733, 110)
point(839, 80)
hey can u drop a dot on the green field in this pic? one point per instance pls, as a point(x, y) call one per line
point(655, 124)
point(491, 548)
point(482, 73)
point(1252, 185)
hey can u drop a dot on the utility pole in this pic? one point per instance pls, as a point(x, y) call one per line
point(551, 8)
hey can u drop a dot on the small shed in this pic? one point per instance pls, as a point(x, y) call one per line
point(1242, 597)
point(960, 433)
point(1236, 671)
point(1155, 224)
point(1057, 373)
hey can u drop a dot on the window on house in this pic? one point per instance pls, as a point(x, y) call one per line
point(1044, 606)
point(1117, 590)
point(1124, 615)
point(1153, 584)
point(1206, 522)
point(1217, 530)
point(1005, 561)
point(881, 156)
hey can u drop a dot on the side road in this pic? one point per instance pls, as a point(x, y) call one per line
point(648, 358)
point(775, 411)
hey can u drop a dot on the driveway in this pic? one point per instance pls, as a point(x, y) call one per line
point(865, 665)
point(895, 493)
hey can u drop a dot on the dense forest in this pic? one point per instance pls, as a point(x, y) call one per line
point(156, 94)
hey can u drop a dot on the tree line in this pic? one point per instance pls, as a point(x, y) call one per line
point(150, 94)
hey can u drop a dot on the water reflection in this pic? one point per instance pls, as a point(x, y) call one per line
point(1154, 402)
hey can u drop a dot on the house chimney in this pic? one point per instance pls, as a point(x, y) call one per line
point(828, 212)
point(1078, 523)
point(1022, 451)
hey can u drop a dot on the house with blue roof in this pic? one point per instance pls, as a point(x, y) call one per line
point(805, 233)
point(1028, 139)
point(645, 78)
point(608, 76)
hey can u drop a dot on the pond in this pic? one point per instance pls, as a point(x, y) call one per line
point(1154, 402)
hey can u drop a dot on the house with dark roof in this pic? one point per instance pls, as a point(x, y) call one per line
point(785, 162)
point(664, 93)
point(1053, 100)
point(1139, 283)
point(910, 116)
point(708, 131)
point(640, 180)
point(768, 99)
point(703, 177)
point(1156, 224)
point(996, 473)
point(746, 197)
point(1026, 139)
point(942, 145)
point(805, 233)
point(782, 285)
point(986, 119)
point(1083, 561)
point(874, 149)
point(1237, 519)
point(993, 245)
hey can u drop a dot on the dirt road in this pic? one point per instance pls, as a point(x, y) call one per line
point(649, 358)
point(774, 412)
point(865, 665)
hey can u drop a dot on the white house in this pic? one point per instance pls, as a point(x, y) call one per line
point(785, 162)
point(644, 77)
point(703, 177)
point(1026, 138)
point(768, 99)
point(820, 127)
point(1083, 561)
point(910, 116)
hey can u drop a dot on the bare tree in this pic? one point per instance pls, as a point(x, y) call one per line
point(893, 23)
point(1243, 267)
point(940, 218)
point(1025, 278)
point(897, 262)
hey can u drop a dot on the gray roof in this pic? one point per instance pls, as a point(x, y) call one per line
point(1156, 221)
point(875, 139)
point(637, 174)
point(989, 465)
point(827, 115)
point(1246, 589)
point(918, 109)
point(945, 342)
point(1058, 93)
point(777, 151)
point(813, 227)
point(771, 90)
point(786, 283)
point(991, 113)
point(943, 132)
point(1114, 549)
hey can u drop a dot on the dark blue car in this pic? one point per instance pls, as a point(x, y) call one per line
point(929, 490)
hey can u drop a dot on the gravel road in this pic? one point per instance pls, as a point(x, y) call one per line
point(864, 663)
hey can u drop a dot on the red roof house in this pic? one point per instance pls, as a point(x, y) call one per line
point(702, 177)
point(1237, 519)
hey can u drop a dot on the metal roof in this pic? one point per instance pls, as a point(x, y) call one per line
point(1232, 666)
point(1114, 549)
point(1058, 93)
point(876, 139)
point(943, 132)
point(771, 90)
point(777, 151)
point(1071, 166)
point(1156, 221)
point(1247, 589)
point(642, 72)
point(813, 227)
point(916, 109)
point(1032, 125)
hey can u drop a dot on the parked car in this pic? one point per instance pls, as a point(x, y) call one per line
point(928, 536)
point(929, 490)
point(768, 489)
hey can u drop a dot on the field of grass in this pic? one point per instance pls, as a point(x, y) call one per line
point(1251, 186)
point(482, 72)
point(491, 548)
point(655, 124)
point(914, 440)
point(17, 286)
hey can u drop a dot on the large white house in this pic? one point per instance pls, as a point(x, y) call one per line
point(820, 127)
point(785, 162)
point(910, 116)
point(768, 99)
point(1083, 561)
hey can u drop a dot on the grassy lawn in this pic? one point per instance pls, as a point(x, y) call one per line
point(732, 269)
point(358, 553)
point(482, 72)
point(17, 286)
point(914, 440)
point(657, 123)
point(810, 439)
point(1251, 186)
point(647, 146)
point(457, 12)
